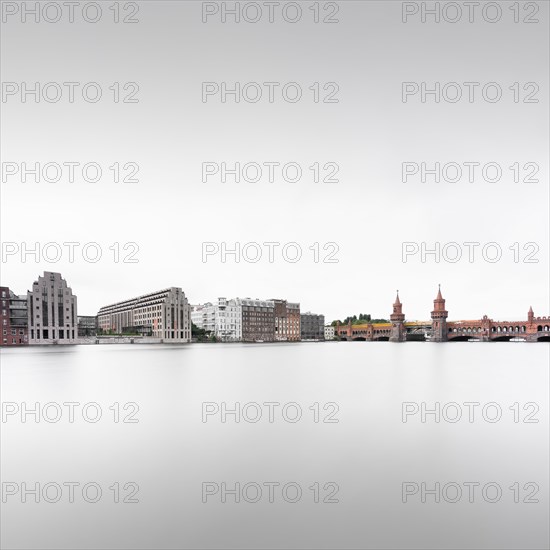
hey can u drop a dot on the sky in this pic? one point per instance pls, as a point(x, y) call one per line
point(162, 112)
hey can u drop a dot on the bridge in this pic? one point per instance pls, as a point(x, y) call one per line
point(533, 329)
point(536, 329)
point(381, 332)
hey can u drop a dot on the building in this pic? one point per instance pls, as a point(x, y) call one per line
point(87, 325)
point(52, 311)
point(258, 320)
point(197, 313)
point(287, 321)
point(312, 326)
point(222, 319)
point(329, 332)
point(238, 319)
point(164, 314)
point(14, 318)
point(397, 318)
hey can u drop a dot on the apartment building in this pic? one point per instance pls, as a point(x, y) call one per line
point(197, 315)
point(14, 318)
point(222, 319)
point(287, 321)
point(258, 320)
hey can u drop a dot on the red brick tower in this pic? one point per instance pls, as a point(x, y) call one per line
point(530, 316)
point(397, 319)
point(439, 319)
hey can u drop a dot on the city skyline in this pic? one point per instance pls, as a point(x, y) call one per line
point(355, 310)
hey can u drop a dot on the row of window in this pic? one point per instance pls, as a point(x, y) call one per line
point(14, 340)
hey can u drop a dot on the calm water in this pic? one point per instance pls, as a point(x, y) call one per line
point(358, 464)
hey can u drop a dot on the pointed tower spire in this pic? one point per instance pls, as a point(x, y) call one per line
point(530, 315)
point(397, 302)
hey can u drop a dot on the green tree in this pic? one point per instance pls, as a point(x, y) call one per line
point(199, 333)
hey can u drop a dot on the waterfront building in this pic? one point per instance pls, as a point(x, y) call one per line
point(228, 322)
point(397, 318)
point(238, 319)
point(163, 314)
point(312, 326)
point(14, 318)
point(287, 321)
point(329, 332)
point(258, 319)
point(197, 315)
point(87, 325)
point(222, 319)
point(52, 311)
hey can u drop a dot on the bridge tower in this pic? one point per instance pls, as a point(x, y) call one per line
point(397, 319)
point(530, 316)
point(439, 319)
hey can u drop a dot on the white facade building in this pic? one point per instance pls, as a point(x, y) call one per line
point(223, 319)
point(329, 332)
point(197, 313)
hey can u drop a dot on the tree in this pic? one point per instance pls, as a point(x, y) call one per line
point(361, 320)
point(198, 333)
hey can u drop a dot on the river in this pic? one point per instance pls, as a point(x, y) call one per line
point(306, 445)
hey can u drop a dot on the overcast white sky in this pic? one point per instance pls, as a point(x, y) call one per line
point(369, 133)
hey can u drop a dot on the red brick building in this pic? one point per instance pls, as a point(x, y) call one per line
point(287, 321)
point(13, 317)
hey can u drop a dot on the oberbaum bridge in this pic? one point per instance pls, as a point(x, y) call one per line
point(535, 329)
